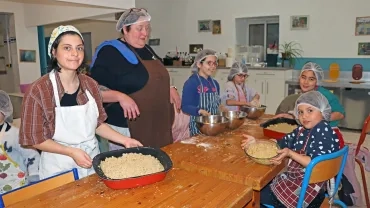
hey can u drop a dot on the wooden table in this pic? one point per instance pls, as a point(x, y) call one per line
point(222, 157)
point(179, 189)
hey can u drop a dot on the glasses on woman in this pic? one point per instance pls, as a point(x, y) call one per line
point(242, 75)
point(211, 63)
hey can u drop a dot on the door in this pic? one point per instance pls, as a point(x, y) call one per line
point(258, 85)
point(274, 94)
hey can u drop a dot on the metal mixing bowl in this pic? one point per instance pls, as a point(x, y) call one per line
point(254, 112)
point(212, 125)
point(236, 118)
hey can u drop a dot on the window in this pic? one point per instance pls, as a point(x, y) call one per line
point(263, 31)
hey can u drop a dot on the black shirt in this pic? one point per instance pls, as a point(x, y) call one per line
point(113, 70)
point(69, 99)
point(7, 127)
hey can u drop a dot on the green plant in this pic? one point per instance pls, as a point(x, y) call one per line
point(290, 51)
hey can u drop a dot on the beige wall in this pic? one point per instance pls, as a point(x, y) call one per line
point(100, 30)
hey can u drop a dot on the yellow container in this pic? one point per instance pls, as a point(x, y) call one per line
point(334, 71)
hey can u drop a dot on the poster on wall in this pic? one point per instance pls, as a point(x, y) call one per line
point(362, 26)
point(299, 22)
point(154, 42)
point(27, 56)
point(195, 48)
point(216, 27)
point(204, 25)
point(364, 49)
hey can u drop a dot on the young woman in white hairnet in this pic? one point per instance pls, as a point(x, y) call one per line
point(200, 96)
point(18, 165)
point(309, 80)
point(237, 93)
point(314, 137)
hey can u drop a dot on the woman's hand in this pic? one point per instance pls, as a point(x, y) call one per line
point(247, 140)
point(129, 142)
point(222, 108)
point(284, 115)
point(130, 109)
point(203, 112)
point(283, 153)
point(80, 157)
point(175, 98)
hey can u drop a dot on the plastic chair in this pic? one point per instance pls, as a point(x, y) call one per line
point(364, 132)
point(37, 188)
point(323, 168)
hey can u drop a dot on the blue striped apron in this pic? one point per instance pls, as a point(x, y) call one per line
point(209, 102)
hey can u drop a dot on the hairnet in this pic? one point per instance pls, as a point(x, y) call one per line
point(317, 70)
point(6, 106)
point(132, 16)
point(58, 31)
point(201, 55)
point(237, 68)
point(316, 100)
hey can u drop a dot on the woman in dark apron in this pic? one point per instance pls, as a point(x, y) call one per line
point(140, 95)
point(314, 137)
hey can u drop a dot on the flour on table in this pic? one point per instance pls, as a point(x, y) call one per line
point(193, 140)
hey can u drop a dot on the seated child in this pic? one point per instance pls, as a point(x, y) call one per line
point(18, 165)
point(236, 92)
point(312, 138)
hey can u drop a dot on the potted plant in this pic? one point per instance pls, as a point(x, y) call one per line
point(290, 51)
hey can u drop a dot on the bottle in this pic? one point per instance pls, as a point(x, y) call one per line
point(357, 71)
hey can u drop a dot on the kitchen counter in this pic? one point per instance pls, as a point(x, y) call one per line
point(342, 83)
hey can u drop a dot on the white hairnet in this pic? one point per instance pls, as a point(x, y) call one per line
point(132, 16)
point(237, 68)
point(316, 100)
point(317, 70)
point(201, 55)
point(6, 106)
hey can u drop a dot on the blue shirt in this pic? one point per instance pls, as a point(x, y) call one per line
point(333, 102)
point(322, 140)
point(191, 93)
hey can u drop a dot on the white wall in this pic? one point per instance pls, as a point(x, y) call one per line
point(331, 32)
point(26, 39)
point(100, 30)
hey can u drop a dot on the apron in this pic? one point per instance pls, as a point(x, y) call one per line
point(209, 102)
point(287, 186)
point(11, 176)
point(242, 96)
point(74, 127)
point(153, 127)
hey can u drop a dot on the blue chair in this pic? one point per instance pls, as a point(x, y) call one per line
point(42, 186)
point(323, 168)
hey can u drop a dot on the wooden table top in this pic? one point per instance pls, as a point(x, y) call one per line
point(222, 157)
point(179, 189)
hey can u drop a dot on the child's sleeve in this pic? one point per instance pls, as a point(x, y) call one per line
point(288, 140)
point(323, 141)
point(250, 93)
point(190, 98)
point(230, 93)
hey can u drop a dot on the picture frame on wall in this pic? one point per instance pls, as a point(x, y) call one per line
point(195, 48)
point(216, 27)
point(299, 22)
point(154, 42)
point(364, 49)
point(362, 26)
point(28, 56)
point(204, 25)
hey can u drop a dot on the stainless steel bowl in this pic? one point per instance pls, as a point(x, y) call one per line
point(254, 112)
point(212, 125)
point(236, 118)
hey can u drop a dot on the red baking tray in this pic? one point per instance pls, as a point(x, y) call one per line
point(273, 134)
point(133, 182)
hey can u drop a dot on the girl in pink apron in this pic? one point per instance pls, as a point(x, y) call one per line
point(314, 137)
point(237, 93)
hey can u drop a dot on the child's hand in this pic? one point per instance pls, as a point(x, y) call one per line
point(282, 155)
point(248, 139)
point(204, 112)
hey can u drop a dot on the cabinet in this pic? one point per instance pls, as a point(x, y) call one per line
point(178, 77)
point(270, 85)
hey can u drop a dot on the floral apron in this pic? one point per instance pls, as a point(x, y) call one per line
point(287, 186)
point(11, 176)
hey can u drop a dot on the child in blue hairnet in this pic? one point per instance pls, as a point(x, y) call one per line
point(313, 137)
point(18, 165)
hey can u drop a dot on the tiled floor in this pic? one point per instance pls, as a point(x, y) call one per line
point(352, 137)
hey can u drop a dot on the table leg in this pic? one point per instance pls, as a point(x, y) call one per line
point(255, 203)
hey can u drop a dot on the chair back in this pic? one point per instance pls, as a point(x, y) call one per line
point(323, 168)
point(40, 187)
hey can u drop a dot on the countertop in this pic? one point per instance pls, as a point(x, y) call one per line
point(341, 83)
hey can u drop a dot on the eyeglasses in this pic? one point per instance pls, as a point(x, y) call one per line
point(242, 75)
point(137, 10)
point(211, 63)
